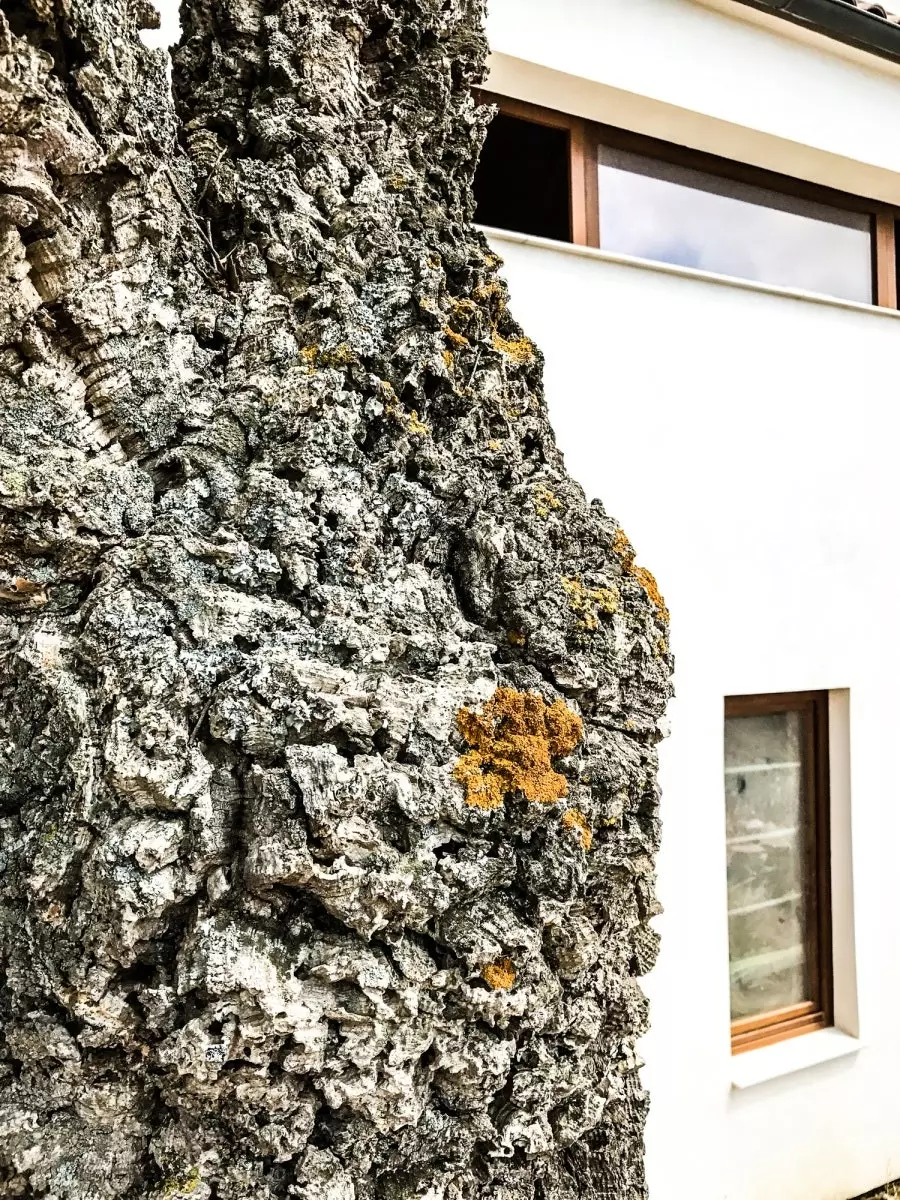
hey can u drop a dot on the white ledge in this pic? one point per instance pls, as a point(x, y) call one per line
point(795, 1054)
point(647, 264)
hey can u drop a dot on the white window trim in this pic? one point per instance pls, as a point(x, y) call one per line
point(792, 1055)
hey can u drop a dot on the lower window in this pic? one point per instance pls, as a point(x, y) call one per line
point(779, 875)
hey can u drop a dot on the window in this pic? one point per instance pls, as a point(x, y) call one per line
point(522, 182)
point(779, 874)
point(639, 196)
point(678, 215)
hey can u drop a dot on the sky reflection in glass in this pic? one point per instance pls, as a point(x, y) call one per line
point(674, 214)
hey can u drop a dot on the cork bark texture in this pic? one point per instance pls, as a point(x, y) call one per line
point(328, 706)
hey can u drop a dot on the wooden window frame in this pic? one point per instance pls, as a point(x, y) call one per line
point(818, 1013)
point(586, 138)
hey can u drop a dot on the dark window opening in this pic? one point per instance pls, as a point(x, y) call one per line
point(522, 181)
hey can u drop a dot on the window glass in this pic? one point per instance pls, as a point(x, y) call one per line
point(522, 180)
point(767, 863)
point(674, 214)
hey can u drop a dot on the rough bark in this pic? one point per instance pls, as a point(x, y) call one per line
point(328, 706)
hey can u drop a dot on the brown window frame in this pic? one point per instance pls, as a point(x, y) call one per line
point(586, 137)
point(751, 1033)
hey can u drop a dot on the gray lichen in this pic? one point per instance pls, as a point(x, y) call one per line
point(278, 501)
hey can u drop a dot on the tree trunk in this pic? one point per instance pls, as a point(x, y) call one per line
point(328, 706)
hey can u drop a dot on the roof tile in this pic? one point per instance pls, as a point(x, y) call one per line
point(876, 10)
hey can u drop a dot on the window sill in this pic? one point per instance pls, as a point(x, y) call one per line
point(795, 1054)
point(646, 264)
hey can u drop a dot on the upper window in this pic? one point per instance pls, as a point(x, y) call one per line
point(676, 214)
point(777, 829)
point(561, 177)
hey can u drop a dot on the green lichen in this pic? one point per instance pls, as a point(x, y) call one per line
point(586, 602)
point(184, 1185)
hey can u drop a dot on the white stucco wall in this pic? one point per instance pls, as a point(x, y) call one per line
point(747, 443)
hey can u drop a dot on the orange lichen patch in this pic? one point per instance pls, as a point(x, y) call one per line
point(626, 552)
point(23, 591)
point(585, 601)
point(545, 502)
point(447, 356)
point(520, 350)
point(452, 336)
point(574, 818)
point(482, 791)
point(500, 975)
point(513, 740)
point(515, 638)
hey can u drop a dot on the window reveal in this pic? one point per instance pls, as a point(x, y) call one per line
point(776, 803)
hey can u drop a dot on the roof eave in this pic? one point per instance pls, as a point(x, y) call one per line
point(839, 20)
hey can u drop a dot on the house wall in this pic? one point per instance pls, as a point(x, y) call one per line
point(746, 440)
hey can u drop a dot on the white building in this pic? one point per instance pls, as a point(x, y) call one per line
point(738, 416)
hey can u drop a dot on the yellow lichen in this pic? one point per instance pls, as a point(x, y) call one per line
point(520, 350)
point(662, 647)
point(184, 1186)
point(516, 638)
point(545, 502)
point(489, 291)
point(574, 818)
point(452, 336)
point(500, 975)
point(309, 354)
point(512, 742)
point(341, 356)
point(393, 409)
point(495, 445)
point(623, 547)
point(415, 425)
point(397, 181)
point(466, 307)
point(585, 601)
point(447, 356)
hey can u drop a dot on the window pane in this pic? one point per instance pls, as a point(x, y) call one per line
point(767, 884)
point(522, 180)
point(674, 214)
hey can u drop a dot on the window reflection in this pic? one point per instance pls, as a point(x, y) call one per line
point(767, 881)
point(674, 214)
